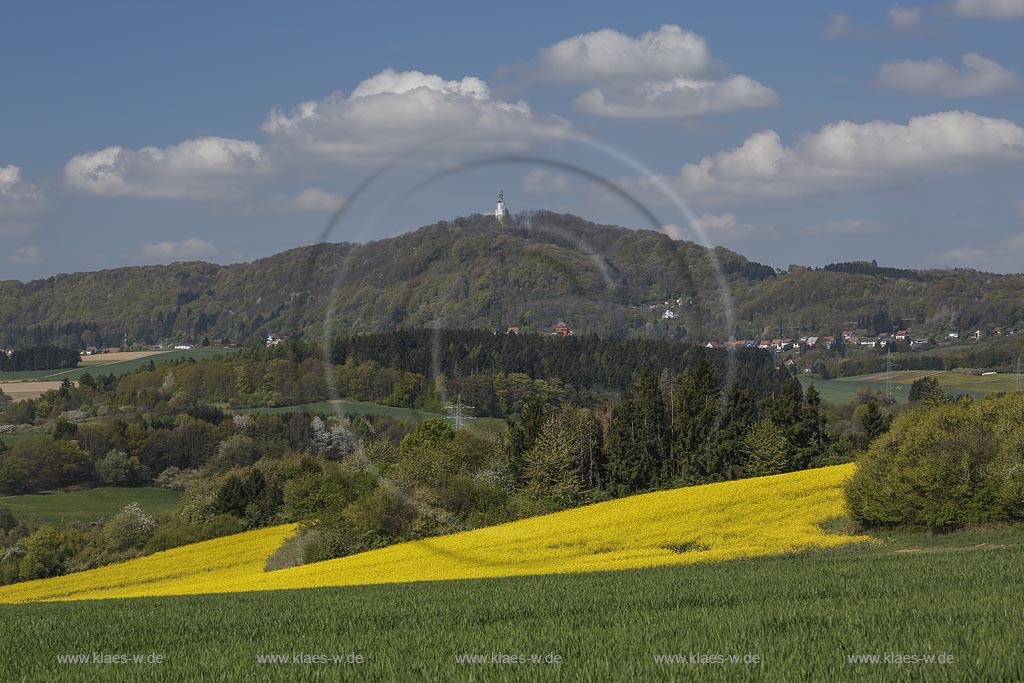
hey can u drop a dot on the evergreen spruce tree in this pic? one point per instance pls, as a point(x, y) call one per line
point(872, 422)
point(638, 437)
point(698, 412)
point(728, 446)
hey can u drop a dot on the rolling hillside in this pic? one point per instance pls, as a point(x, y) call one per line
point(740, 519)
point(473, 272)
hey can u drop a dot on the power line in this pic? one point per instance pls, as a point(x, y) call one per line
point(888, 374)
point(459, 416)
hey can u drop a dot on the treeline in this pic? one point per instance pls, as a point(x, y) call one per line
point(586, 361)
point(281, 382)
point(496, 375)
point(693, 428)
point(39, 358)
point(872, 268)
point(72, 335)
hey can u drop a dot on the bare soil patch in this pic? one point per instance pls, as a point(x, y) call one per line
point(20, 391)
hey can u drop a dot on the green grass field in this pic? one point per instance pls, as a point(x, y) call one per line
point(803, 616)
point(87, 506)
point(117, 367)
point(844, 389)
point(23, 433)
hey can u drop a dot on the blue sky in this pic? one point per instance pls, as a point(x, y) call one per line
point(806, 134)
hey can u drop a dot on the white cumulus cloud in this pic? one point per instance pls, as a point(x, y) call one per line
point(394, 113)
point(610, 55)
point(989, 9)
point(202, 167)
point(541, 181)
point(904, 17)
point(980, 76)
point(676, 98)
point(312, 199)
point(846, 155)
point(187, 249)
point(17, 195)
point(668, 73)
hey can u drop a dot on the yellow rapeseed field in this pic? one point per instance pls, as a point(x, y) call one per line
point(739, 519)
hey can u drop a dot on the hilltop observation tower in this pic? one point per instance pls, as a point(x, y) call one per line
point(500, 211)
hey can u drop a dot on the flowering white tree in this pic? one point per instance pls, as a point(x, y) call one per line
point(333, 443)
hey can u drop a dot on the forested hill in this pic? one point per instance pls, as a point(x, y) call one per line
point(532, 273)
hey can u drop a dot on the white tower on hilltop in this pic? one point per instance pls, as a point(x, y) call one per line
point(500, 212)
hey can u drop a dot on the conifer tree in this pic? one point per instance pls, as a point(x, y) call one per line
point(698, 412)
point(638, 437)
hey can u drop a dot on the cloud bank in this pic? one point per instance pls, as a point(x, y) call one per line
point(395, 113)
point(846, 155)
point(198, 168)
point(980, 76)
point(1001, 10)
point(668, 73)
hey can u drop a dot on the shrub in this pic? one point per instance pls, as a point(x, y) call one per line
point(129, 529)
point(47, 552)
point(38, 463)
point(333, 443)
point(238, 450)
point(116, 469)
point(944, 466)
point(767, 450)
point(175, 478)
point(177, 532)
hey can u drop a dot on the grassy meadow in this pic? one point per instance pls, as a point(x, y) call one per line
point(66, 507)
point(844, 389)
point(21, 433)
point(116, 363)
point(803, 615)
point(669, 585)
